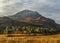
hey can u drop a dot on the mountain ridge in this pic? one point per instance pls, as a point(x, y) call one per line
point(31, 17)
point(28, 17)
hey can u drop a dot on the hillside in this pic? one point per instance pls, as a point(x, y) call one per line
point(28, 21)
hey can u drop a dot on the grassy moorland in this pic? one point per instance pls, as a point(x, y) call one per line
point(30, 39)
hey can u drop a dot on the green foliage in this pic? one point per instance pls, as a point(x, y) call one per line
point(30, 29)
point(6, 30)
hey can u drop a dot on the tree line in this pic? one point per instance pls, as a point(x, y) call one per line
point(29, 30)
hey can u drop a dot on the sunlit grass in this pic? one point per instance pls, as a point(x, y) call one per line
point(30, 39)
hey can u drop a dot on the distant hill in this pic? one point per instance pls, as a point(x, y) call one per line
point(30, 18)
point(33, 17)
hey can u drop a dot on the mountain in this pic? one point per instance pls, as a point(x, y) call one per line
point(33, 17)
point(25, 14)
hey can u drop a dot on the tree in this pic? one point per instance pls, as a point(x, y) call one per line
point(6, 30)
point(52, 31)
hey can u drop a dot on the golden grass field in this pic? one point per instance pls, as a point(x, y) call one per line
point(30, 39)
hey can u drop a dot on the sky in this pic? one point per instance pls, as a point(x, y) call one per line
point(47, 8)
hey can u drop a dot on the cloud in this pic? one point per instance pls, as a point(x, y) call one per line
point(1, 6)
point(12, 6)
point(48, 8)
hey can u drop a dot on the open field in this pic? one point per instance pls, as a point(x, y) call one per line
point(30, 39)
